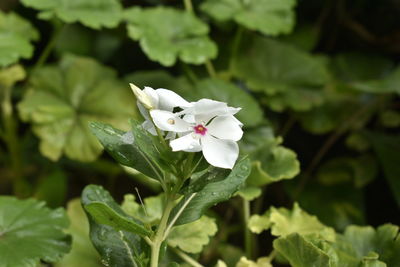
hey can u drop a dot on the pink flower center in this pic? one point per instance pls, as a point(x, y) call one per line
point(200, 129)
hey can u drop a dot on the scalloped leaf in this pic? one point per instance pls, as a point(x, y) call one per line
point(63, 99)
point(289, 77)
point(91, 13)
point(166, 34)
point(270, 17)
point(271, 161)
point(30, 232)
point(16, 35)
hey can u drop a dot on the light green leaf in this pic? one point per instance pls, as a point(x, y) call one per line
point(104, 214)
point(387, 148)
point(91, 13)
point(62, 100)
point(272, 162)
point(82, 252)
point(192, 237)
point(284, 222)
point(389, 84)
point(166, 34)
point(30, 232)
point(117, 248)
point(216, 190)
point(9, 76)
point(258, 223)
point(261, 262)
point(250, 193)
point(301, 252)
point(270, 17)
point(150, 214)
point(289, 77)
point(384, 241)
point(16, 35)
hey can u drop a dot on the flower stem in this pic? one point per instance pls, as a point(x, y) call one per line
point(248, 242)
point(188, 5)
point(210, 69)
point(186, 258)
point(159, 236)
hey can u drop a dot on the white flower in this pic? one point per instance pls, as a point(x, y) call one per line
point(161, 99)
point(207, 126)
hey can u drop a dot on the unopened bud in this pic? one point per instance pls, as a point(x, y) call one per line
point(142, 97)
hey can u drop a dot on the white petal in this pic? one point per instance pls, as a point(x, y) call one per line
point(168, 100)
point(152, 94)
point(220, 153)
point(225, 127)
point(185, 143)
point(168, 121)
point(144, 111)
point(149, 126)
point(142, 97)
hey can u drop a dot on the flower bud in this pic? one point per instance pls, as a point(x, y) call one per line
point(142, 97)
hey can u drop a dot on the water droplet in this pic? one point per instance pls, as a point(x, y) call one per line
point(214, 193)
point(244, 167)
point(103, 234)
point(128, 138)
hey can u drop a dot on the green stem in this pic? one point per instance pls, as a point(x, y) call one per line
point(210, 69)
point(188, 5)
point(248, 242)
point(11, 140)
point(186, 258)
point(159, 236)
point(49, 47)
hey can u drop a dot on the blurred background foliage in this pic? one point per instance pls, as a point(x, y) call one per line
point(318, 83)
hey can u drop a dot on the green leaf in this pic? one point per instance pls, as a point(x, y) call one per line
point(390, 118)
point(192, 237)
point(150, 214)
point(365, 244)
point(250, 193)
point(124, 149)
point(271, 161)
point(117, 248)
point(343, 204)
point(91, 13)
point(16, 35)
point(103, 214)
point(82, 252)
point(52, 188)
point(271, 17)
point(284, 222)
point(30, 232)
point(289, 77)
point(166, 34)
point(9, 76)
point(62, 100)
point(389, 84)
point(261, 262)
point(300, 252)
point(387, 148)
point(215, 191)
point(251, 113)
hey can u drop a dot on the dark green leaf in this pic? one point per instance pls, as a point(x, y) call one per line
point(212, 193)
point(30, 232)
point(290, 78)
point(387, 148)
point(125, 149)
point(117, 248)
point(271, 161)
point(103, 214)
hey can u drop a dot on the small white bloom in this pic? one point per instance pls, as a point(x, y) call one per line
point(207, 126)
point(161, 99)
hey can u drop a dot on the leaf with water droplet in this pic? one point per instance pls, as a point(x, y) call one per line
point(217, 190)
